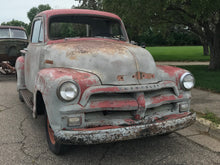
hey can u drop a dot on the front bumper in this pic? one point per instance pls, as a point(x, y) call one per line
point(95, 136)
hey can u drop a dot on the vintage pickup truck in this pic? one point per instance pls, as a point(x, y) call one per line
point(93, 86)
point(12, 40)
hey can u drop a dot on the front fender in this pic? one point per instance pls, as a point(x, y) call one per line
point(171, 73)
point(47, 82)
point(19, 66)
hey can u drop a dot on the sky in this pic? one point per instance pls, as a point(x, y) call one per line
point(17, 9)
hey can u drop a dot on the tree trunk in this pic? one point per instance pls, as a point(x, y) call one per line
point(215, 50)
point(205, 48)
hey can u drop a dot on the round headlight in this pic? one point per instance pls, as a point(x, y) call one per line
point(67, 91)
point(187, 81)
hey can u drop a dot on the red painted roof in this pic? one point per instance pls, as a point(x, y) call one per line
point(49, 13)
point(12, 27)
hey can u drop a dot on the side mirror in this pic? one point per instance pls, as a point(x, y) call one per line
point(24, 51)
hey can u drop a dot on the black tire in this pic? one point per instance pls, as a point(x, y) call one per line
point(166, 134)
point(20, 96)
point(12, 52)
point(54, 146)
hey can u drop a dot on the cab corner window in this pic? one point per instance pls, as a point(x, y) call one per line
point(37, 34)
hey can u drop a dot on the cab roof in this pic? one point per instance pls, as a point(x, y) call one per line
point(12, 27)
point(49, 13)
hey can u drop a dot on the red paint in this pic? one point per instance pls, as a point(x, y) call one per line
point(137, 117)
point(83, 79)
point(49, 13)
point(113, 104)
point(12, 27)
point(20, 61)
point(81, 39)
point(130, 121)
point(141, 101)
point(172, 71)
point(156, 100)
point(96, 128)
point(107, 89)
point(171, 117)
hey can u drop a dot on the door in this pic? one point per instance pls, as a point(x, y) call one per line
point(34, 51)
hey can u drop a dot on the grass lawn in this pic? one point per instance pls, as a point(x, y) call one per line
point(178, 53)
point(205, 79)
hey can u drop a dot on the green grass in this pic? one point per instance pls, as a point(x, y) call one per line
point(205, 79)
point(211, 117)
point(178, 53)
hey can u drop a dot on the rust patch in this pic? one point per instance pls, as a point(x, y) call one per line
point(7, 68)
point(120, 78)
point(48, 61)
point(142, 75)
point(96, 128)
point(114, 104)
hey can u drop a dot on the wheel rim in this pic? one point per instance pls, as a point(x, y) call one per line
point(50, 132)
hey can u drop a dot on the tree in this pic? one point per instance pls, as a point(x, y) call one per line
point(89, 4)
point(34, 11)
point(201, 16)
point(15, 23)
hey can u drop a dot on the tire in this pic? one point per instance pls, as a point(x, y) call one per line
point(54, 146)
point(166, 134)
point(20, 96)
point(12, 52)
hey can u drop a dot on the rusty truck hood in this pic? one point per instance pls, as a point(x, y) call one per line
point(114, 62)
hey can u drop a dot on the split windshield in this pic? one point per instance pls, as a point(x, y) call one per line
point(64, 27)
point(12, 33)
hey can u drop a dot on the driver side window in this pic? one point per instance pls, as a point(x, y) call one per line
point(37, 34)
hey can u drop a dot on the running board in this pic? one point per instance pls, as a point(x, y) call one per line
point(28, 98)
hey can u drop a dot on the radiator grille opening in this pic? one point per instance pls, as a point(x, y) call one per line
point(160, 92)
point(162, 110)
point(108, 115)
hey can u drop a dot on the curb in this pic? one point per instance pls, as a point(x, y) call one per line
point(207, 127)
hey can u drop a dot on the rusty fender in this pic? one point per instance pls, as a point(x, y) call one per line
point(47, 82)
point(105, 135)
point(19, 66)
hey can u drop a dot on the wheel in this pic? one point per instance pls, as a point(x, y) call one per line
point(20, 96)
point(54, 146)
point(12, 52)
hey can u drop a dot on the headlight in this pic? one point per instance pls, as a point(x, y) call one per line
point(67, 91)
point(187, 81)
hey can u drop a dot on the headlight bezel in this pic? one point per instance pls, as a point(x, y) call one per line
point(59, 90)
point(182, 81)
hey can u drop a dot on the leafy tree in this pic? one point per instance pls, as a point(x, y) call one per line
point(15, 23)
point(200, 16)
point(34, 11)
point(89, 4)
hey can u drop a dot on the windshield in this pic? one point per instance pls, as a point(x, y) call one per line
point(16, 33)
point(85, 26)
point(12, 33)
point(4, 33)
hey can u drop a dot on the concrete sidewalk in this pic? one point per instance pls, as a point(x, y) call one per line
point(203, 102)
point(177, 63)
